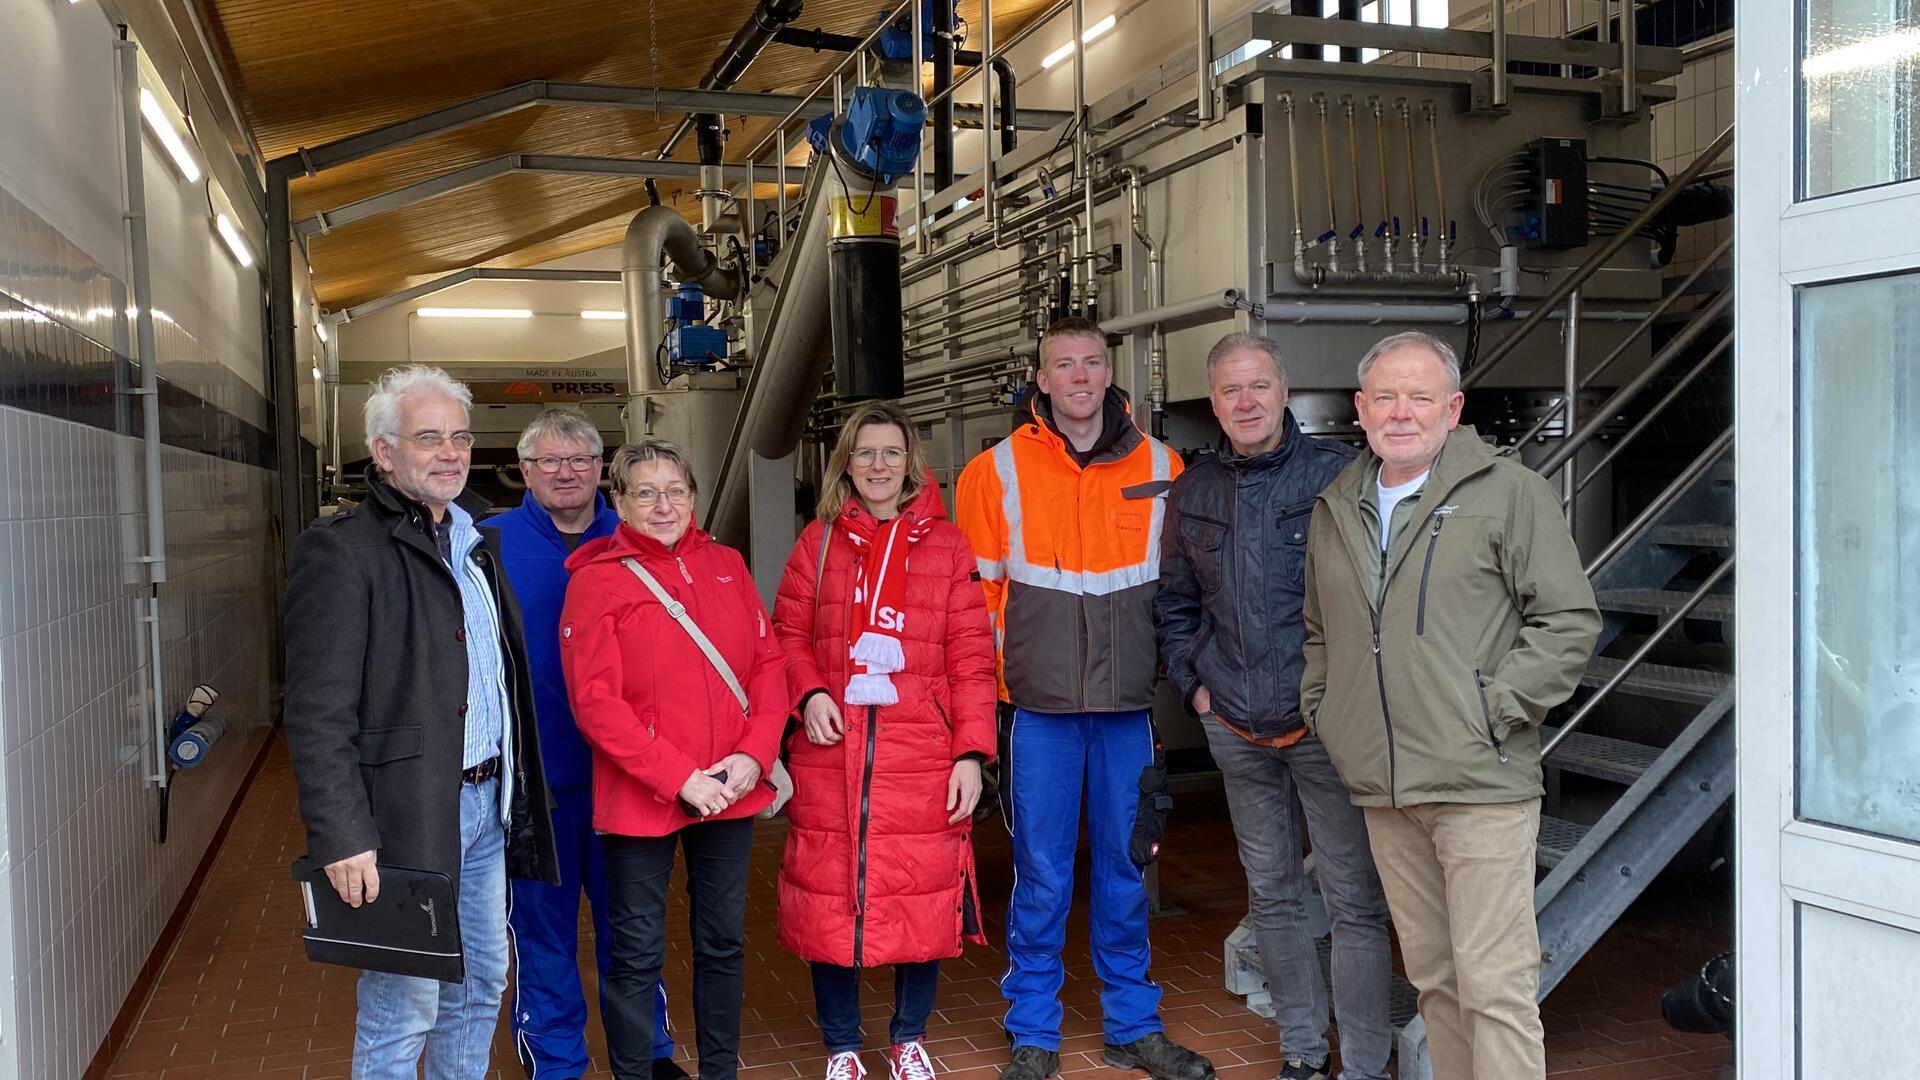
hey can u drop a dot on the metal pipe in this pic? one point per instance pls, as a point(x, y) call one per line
point(1326, 180)
point(1580, 436)
point(941, 104)
point(1203, 61)
point(1212, 303)
point(1439, 183)
point(1414, 223)
point(1647, 418)
point(155, 557)
point(918, 82)
point(1640, 654)
point(780, 178)
point(1660, 502)
point(1353, 167)
point(1293, 176)
point(1156, 298)
point(1499, 50)
point(653, 232)
point(1599, 258)
point(1375, 313)
point(1001, 297)
point(1629, 63)
point(1570, 403)
point(988, 186)
point(1005, 47)
point(1389, 232)
point(767, 18)
point(1083, 151)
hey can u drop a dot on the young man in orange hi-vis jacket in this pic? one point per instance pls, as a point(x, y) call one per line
point(1064, 516)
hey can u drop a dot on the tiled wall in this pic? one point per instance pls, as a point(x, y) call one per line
point(88, 884)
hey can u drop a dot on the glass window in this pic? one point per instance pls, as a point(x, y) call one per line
point(1858, 625)
point(1859, 73)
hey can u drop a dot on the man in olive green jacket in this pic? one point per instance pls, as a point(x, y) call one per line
point(1435, 646)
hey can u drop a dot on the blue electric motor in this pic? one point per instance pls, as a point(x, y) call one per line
point(879, 135)
point(692, 343)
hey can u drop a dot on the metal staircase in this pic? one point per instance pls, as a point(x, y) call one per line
point(1659, 688)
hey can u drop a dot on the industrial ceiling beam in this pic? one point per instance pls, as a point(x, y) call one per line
point(461, 277)
point(388, 201)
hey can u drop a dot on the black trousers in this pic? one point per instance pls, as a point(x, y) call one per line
point(637, 871)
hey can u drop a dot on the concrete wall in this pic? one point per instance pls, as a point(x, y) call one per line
point(87, 887)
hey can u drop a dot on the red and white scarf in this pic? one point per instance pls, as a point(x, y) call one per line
point(878, 623)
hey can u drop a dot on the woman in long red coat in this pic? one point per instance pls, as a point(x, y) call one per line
point(890, 661)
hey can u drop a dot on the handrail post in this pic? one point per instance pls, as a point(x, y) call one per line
point(1569, 479)
point(1629, 64)
point(1499, 50)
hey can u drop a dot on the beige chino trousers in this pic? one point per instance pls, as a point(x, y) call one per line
point(1459, 882)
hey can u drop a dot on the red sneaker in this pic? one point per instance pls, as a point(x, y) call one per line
point(846, 1066)
point(909, 1061)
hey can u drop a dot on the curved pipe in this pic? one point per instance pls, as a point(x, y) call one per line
point(656, 231)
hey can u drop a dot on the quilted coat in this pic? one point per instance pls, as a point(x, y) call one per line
point(873, 874)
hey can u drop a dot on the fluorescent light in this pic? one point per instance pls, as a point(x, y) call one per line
point(603, 316)
point(236, 243)
point(317, 377)
point(162, 126)
point(1086, 37)
point(473, 313)
point(961, 203)
point(1878, 51)
point(320, 328)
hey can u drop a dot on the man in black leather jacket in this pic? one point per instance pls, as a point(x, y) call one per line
point(1227, 616)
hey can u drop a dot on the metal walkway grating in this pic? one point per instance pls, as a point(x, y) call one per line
point(1691, 685)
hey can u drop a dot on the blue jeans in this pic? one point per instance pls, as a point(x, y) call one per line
point(836, 998)
point(454, 1022)
point(1053, 758)
point(549, 1013)
point(1268, 792)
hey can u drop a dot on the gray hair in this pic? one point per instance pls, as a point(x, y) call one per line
point(1414, 339)
point(560, 422)
point(1236, 342)
point(381, 414)
point(635, 453)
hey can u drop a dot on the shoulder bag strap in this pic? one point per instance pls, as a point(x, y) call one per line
point(679, 612)
point(820, 568)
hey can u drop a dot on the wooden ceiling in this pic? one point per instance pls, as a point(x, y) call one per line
point(310, 71)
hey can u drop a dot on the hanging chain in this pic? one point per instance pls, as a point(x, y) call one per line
point(653, 55)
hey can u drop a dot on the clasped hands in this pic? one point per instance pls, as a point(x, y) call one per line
point(711, 796)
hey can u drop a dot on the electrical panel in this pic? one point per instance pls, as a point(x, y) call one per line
point(1557, 212)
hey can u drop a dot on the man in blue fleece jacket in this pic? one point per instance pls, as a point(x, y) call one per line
point(560, 456)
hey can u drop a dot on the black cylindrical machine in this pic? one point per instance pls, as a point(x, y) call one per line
point(870, 148)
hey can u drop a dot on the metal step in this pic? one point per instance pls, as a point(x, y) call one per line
point(1598, 756)
point(1662, 681)
point(1557, 837)
point(1715, 607)
point(1714, 537)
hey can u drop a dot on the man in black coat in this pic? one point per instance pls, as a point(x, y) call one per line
point(410, 718)
point(1229, 625)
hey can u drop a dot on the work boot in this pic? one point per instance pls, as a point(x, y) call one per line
point(845, 1065)
point(1163, 1058)
point(1297, 1069)
point(909, 1061)
point(1031, 1063)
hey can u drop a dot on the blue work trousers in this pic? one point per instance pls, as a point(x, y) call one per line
point(549, 1009)
point(1057, 762)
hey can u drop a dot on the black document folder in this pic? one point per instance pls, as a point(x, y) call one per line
point(411, 929)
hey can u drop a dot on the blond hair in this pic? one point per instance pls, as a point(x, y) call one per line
point(836, 486)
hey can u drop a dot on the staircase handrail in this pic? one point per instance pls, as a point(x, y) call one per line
point(1646, 420)
point(1595, 262)
point(1658, 506)
point(1633, 335)
point(1646, 648)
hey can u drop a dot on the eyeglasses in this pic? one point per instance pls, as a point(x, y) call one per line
point(551, 464)
point(678, 495)
point(892, 455)
point(433, 440)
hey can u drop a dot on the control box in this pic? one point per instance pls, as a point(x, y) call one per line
point(1557, 215)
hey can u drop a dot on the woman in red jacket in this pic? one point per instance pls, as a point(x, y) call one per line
point(677, 754)
point(890, 660)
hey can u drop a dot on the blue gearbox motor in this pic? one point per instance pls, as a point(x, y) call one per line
point(879, 135)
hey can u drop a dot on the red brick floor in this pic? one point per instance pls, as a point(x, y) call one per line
point(238, 997)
